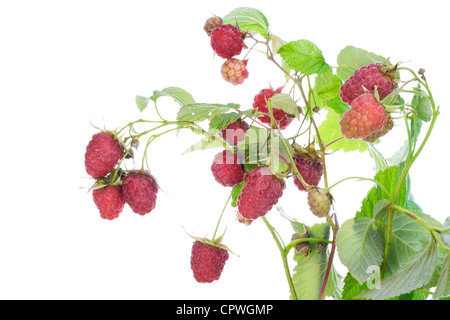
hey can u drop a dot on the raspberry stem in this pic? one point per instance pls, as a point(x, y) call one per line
point(364, 179)
point(220, 218)
point(408, 163)
point(335, 227)
point(284, 258)
point(310, 240)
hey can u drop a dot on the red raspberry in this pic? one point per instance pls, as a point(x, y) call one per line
point(367, 77)
point(226, 170)
point(140, 190)
point(226, 41)
point(260, 193)
point(310, 170)
point(234, 132)
point(102, 154)
point(212, 23)
point(365, 117)
point(234, 71)
point(376, 135)
point(109, 201)
point(207, 261)
point(260, 103)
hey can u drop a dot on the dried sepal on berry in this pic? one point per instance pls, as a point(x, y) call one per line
point(301, 247)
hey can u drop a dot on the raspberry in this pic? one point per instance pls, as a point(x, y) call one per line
point(365, 117)
point(376, 135)
point(319, 202)
point(226, 41)
point(109, 201)
point(226, 170)
point(310, 170)
point(260, 193)
point(368, 77)
point(260, 103)
point(139, 190)
point(102, 154)
point(212, 23)
point(207, 261)
point(234, 71)
point(234, 132)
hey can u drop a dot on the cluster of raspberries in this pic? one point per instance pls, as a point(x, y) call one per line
point(227, 41)
point(367, 118)
point(137, 188)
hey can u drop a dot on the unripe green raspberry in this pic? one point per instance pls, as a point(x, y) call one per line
point(319, 202)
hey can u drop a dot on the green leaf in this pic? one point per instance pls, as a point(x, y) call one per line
point(277, 43)
point(142, 102)
point(235, 192)
point(380, 208)
point(328, 92)
point(206, 143)
point(360, 247)
point(413, 295)
point(200, 111)
point(276, 147)
point(248, 19)
point(255, 145)
point(182, 97)
point(283, 101)
point(352, 287)
point(326, 87)
point(351, 59)
point(298, 227)
point(310, 270)
point(330, 130)
point(334, 285)
point(260, 148)
point(304, 56)
point(406, 241)
point(446, 235)
point(222, 120)
point(337, 105)
point(443, 285)
point(380, 162)
point(441, 275)
point(415, 275)
point(407, 234)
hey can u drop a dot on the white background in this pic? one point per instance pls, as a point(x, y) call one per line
point(64, 64)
